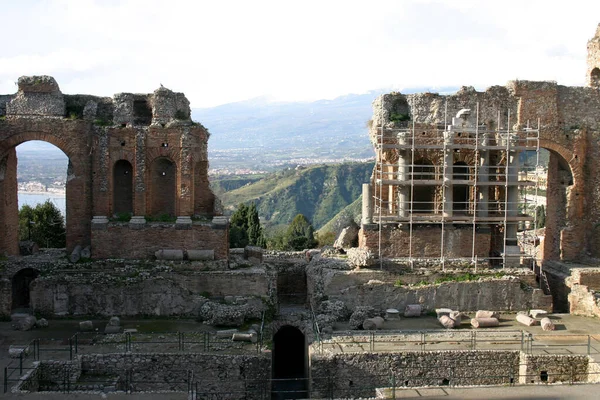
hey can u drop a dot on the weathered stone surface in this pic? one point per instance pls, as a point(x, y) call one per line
point(16, 350)
point(360, 258)
point(448, 322)
point(486, 314)
point(371, 324)
point(526, 320)
point(547, 324)
point(229, 315)
point(413, 310)
point(168, 254)
point(86, 326)
point(114, 321)
point(360, 314)
point(28, 247)
point(23, 322)
point(484, 322)
point(75, 254)
point(335, 308)
point(347, 238)
point(41, 323)
point(200, 255)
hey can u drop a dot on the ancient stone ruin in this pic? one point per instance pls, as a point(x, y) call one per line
point(137, 177)
point(449, 181)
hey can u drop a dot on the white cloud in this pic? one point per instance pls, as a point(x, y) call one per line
point(227, 51)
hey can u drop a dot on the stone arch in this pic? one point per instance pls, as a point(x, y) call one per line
point(163, 187)
point(20, 285)
point(423, 196)
point(122, 187)
point(78, 190)
point(290, 364)
point(561, 205)
point(595, 78)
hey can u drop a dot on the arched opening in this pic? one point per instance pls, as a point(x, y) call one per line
point(595, 78)
point(460, 191)
point(21, 296)
point(290, 364)
point(122, 188)
point(163, 184)
point(423, 194)
point(42, 180)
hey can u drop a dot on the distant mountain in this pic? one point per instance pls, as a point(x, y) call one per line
point(319, 192)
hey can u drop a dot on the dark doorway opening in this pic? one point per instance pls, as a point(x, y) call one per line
point(122, 188)
point(21, 298)
point(290, 364)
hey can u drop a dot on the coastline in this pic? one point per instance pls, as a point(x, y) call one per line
point(50, 194)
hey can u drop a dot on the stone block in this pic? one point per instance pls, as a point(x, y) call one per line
point(112, 329)
point(169, 254)
point(183, 222)
point(86, 326)
point(347, 238)
point(15, 350)
point(41, 323)
point(137, 222)
point(413, 310)
point(201, 255)
point(114, 321)
point(22, 322)
point(99, 223)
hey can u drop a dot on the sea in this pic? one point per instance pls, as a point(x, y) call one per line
point(33, 199)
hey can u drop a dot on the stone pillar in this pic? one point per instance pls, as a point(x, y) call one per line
point(447, 179)
point(367, 204)
point(403, 190)
point(9, 208)
point(483, 177)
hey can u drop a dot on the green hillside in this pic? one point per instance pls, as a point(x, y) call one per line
point(318, 192)
point(351, 212)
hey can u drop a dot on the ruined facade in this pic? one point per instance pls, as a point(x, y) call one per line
point(134, 158)
point(448, 180)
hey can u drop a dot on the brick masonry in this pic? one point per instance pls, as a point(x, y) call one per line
point(99, 134)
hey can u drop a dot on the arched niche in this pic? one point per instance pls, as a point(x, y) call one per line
point(122, 188)
point(163, 188)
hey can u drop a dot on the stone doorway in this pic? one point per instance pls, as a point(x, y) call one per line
point(290, 364)
point(21, 296)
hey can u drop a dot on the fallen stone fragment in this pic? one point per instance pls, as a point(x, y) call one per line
point(526, 320)
point(371, 324)
point(392, 313)
point(458, 316)
point(114, 321)
point(75, 254)
point(245, 337)
point(86, 252)
point(86, 326)
point(448, 322)
point(547, 325)
point(226, 333)
point(538, 313)
point(22, 322)
point(442, 311)
point(484, 322)
point(413, 310)
point(41, 323)
point(15, 350)
point(487, 314)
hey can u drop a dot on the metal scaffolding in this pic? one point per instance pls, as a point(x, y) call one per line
point(413, 190)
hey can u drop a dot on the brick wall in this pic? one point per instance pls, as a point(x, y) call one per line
point(426, 241)
point(8, 204)
point(118, 240)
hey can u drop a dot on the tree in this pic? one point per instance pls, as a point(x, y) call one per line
point(244, 227)
point(540, 216)
point(300, 234)
point(43, 224)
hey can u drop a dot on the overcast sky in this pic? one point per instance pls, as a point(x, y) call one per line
point(225, 51)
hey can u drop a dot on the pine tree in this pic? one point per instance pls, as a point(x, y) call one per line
point(300, 234)
point(43, 224)
point(245, 228)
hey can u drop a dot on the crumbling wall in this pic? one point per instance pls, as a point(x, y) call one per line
point(358, 375)
point(382, 290)
point(553, 368)
point(584, 296)
point(240, 375)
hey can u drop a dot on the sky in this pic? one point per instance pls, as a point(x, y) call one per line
point(219, 52)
